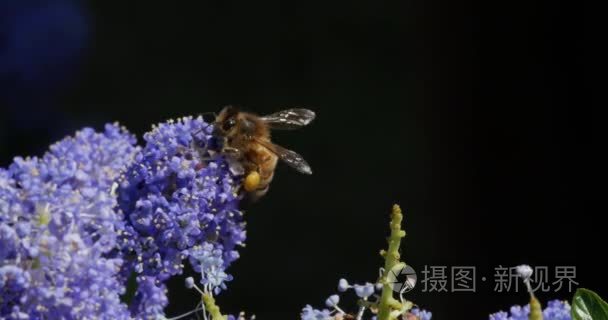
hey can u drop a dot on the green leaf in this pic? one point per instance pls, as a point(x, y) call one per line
point(587, 305)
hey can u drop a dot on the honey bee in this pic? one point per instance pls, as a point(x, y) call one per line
point(246, 141)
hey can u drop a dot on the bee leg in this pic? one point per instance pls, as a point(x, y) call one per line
point(237, 189)
point(231, 151)
point(252, 181)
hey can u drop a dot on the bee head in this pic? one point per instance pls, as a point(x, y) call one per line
point(231, 121)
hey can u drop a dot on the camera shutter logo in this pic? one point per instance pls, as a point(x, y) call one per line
point(402, 278)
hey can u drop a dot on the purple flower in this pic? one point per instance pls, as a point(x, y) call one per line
point(343, 285)
point(58, 226)
point(95, 210)
point(332, 301)
point(189, 282)
point(556, 310)
point(180, 202)
point(421, 314)
point(308, 313)
point(364, 291)
point(150, 300)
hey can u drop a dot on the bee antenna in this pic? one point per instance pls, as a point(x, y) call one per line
point(208, 122)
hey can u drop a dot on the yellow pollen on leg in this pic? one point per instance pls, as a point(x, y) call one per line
point(252, 181)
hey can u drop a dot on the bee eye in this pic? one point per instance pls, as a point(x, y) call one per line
point(229, 124)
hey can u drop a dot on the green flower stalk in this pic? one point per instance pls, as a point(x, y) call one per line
point(212, 308)
point(388, 307)
point(377, 297)
point(536, 309)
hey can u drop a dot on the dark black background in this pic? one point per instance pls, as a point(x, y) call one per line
point(467, 114)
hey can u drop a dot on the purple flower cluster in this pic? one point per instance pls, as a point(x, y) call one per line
point(364, 292)
point(421, 314)
point(309, 313)
point(180, 203)
point(57, 227)
point(97, 211)
point(556, 310)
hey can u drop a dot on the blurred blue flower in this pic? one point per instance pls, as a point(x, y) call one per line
point(57, 226)
point(555, 310)
point(40, 41)
point(42, 47)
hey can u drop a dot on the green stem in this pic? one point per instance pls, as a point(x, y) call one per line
point(391, 258)
point(212, 308)
point(536, 312)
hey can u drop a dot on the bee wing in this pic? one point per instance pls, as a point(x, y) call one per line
point(289, 119)
point(291, 158)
